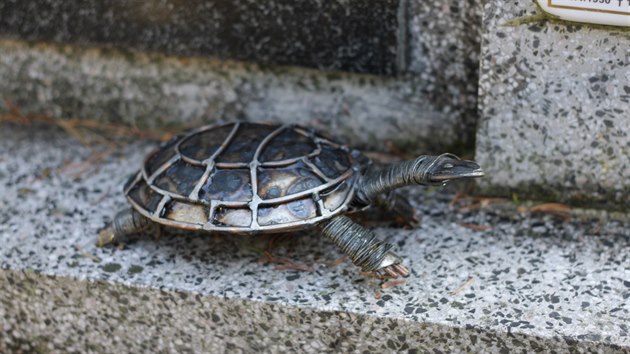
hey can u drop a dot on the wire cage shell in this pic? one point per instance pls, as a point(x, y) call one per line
point(245, 178)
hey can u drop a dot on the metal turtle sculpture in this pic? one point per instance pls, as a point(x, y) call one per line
point(252, 178)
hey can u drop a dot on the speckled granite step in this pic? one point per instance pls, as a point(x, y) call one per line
point(530, 283)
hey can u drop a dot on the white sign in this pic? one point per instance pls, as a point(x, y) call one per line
point(605, 12)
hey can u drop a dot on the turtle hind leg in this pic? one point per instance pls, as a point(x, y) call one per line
point(361, 245)
point(389, 209)
point(397, 209)
point(126, 222)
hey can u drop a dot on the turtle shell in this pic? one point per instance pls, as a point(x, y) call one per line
point(245, 177)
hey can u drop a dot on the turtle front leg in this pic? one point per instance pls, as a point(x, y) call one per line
point(126, 222)
point(361, 245)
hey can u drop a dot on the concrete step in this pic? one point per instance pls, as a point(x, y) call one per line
point(527, 282)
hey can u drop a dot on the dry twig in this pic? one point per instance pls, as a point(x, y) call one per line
point(475, 227)
point(392, 283)
point(85, 130)
point(550, 208)
point(77, 169)
point(87, 255)
point(286, 264)
point(480, 203)
point(473, 203)
point(597, 229)
point(373, 275)
point(557, 209)
point(396, 151)
point(458, 196)
point(337, 261)
point(462, 287)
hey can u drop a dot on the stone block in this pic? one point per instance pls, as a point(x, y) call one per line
point(443, 55)
point(555, 103)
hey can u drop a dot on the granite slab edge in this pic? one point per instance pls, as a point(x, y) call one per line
point(47, 313)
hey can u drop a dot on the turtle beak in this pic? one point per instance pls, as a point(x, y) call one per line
point(450, 167)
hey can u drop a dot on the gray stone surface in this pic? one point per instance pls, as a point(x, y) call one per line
point(348, 35)
point(443, 53)
point(537, 282)
point(154, 90)
point(555, 102)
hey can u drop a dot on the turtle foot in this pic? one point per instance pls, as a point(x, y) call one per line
point(391, 267)
point(105, 237)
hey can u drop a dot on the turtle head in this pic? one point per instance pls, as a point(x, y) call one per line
point(425, 170)
point(447, 167)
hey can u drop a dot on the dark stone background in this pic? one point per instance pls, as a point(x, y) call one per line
point(353, 35)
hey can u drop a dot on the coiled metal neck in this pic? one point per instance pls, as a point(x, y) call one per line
point(395, 176)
